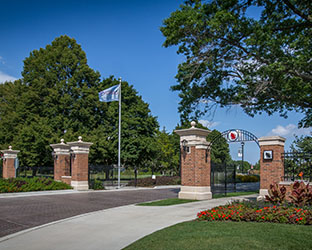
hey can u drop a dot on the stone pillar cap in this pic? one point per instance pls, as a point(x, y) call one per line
point(79, 143)
point(271, 140)
point(80, 147)
point(61, 145)
point(192, 131)
point(10, 151)
point(194, 136)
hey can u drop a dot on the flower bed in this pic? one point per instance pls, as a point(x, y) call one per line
point(245, 212)
point(30, 184)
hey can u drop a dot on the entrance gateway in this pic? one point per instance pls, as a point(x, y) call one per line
point(223, 171)
point(196, 165)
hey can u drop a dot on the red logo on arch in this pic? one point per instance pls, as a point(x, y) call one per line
point(232, 135)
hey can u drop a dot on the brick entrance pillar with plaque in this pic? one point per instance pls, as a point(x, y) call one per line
point(271, 162)
point(80, 168)
point(8, 168)
point(195, 164)
point(61, 155)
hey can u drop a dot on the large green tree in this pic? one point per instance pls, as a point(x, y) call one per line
point(263, 64)
point(302, 144)
point(57, 97)
point(220, 150)
point(168, 152)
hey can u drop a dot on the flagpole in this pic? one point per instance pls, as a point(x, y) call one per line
point(119, 132)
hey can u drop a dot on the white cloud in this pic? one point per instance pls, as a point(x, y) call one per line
point(289, 131)
point(2, 60)
point(4, 77)
point(208, 124)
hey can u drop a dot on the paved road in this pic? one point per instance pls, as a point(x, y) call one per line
point(111, 229)
point(20, 213)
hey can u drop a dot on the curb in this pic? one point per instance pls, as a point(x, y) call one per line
point(70, 191)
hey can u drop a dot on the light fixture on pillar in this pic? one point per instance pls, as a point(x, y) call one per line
point(72, 154)
point(54, 155)
point(184, 147)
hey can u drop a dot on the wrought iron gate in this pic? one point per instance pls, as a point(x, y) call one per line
point(223, 178)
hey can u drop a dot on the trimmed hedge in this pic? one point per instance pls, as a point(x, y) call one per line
point(159, 181)
point(247, 178)
point(30, 184)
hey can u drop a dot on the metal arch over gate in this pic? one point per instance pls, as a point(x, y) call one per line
point(223, 175)
point(236, 135)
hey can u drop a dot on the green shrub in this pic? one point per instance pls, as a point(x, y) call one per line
point(247, 178)
point(159, 181)
point(30, 184)
point(96, 185)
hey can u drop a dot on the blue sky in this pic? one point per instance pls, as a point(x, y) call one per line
point(122, 38)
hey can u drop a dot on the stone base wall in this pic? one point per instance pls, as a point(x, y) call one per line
point(66, 179)
point(195, 193)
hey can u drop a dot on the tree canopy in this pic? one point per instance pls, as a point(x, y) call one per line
point(57, 97)
point(262, 64)
point(302, 144)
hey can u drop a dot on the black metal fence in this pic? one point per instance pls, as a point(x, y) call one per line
point(108, 175)
point(223, 178)
point(29, 172)
point(297, 166)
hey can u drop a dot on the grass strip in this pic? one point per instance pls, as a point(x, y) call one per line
point(176, 201)
point(199, 235)
point(166, 202)
point(217, 196)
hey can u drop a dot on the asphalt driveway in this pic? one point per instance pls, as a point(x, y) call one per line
point(20, 213)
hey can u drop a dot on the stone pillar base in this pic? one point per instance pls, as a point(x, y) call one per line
point(66, 179)
point(262, 194)
point(80, 185)
point(195, 193)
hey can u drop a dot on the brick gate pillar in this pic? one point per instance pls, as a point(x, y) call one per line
point(195, 164)
point(80, 167)
point(271, 162)
point(8, 169)
point(61, 161)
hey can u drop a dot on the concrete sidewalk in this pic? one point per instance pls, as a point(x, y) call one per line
point(108, 229)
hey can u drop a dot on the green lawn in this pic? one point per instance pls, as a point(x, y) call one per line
point(176, 201)
point(228, 235)
point(216, 196)
point(166, 202)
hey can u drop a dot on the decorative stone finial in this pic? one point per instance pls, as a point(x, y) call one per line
point(62, 141)
point(10, 147)
point(80, 138)
point(193, 124)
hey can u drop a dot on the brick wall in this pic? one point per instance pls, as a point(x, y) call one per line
point(80, 167)
point(271, 171)
point(8, 168)
point(195, 169)
point(61, 167)
point(188, 168)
